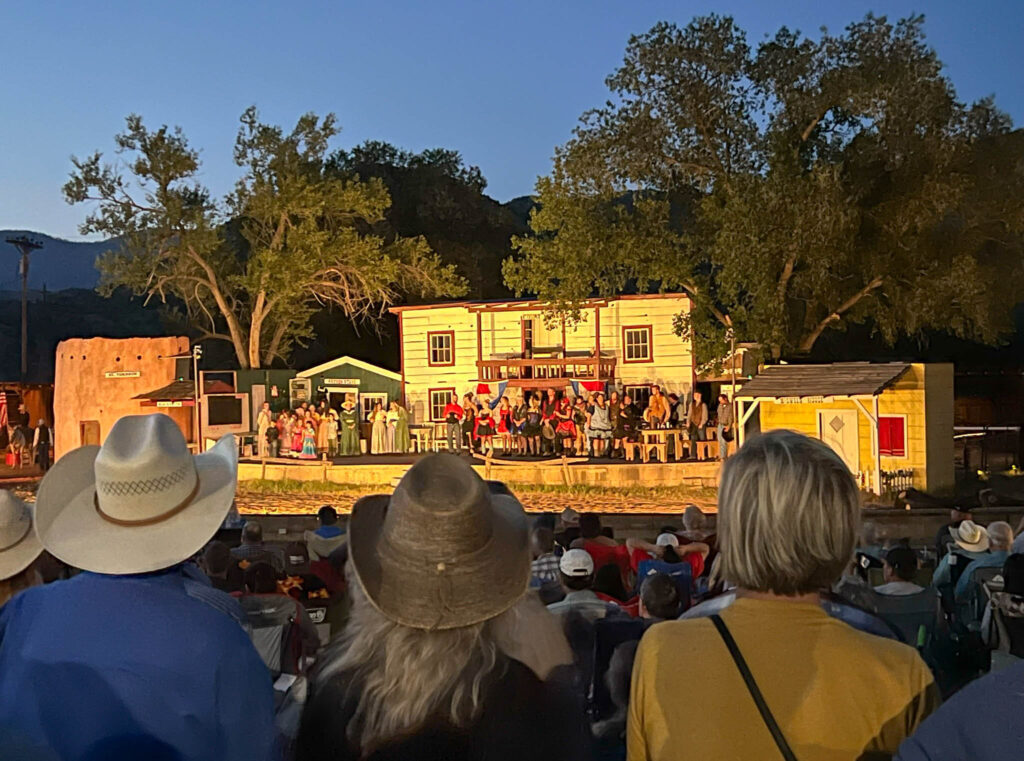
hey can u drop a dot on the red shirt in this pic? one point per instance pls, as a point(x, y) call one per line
point(453, 409)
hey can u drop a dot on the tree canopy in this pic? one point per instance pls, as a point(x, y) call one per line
point(293, 236)
point(791, 188)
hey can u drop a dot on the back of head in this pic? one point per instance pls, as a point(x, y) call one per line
point(327, 515)
point(1000, 535)
point(260, 579)
point(252, 533)
point(590, 525)
point(660, 596)
point(788, 515)
point(1013, 575)
point(216, 558)
point(693, 518)
point(543, 540)
point(903, 562)
point(296, 558)
point(608, 580)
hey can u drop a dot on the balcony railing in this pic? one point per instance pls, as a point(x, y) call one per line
point(571, 368)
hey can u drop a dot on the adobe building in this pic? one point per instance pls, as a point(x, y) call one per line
point(98, 380)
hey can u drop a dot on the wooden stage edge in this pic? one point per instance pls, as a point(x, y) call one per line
point(551, 472)
point(541, 485)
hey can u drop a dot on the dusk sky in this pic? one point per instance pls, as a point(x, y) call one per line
point(503, 83)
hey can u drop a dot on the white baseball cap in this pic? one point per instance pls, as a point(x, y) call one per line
point(576, 563)
point(667, 540)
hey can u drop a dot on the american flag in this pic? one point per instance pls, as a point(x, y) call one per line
point(3, 409)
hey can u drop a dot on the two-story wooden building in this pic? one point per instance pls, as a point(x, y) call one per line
point(494, 347)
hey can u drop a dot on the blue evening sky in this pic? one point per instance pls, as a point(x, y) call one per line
point(503, 83)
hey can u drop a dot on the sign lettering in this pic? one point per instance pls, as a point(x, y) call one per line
point(123, 374)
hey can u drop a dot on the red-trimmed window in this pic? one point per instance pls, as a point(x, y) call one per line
point(637, 344)
point(892, 436)
point(441, 348)
point(439, 398)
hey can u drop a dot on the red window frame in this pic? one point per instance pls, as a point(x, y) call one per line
point(430, 347)
point(650, 344)
point(430, 402)
point(889, 427)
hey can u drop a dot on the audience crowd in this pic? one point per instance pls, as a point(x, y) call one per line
point(440, 622)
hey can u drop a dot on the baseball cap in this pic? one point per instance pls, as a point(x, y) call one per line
point(667, 540)
point(576, 563)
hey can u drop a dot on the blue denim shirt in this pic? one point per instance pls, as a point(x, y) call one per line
point(118, 667)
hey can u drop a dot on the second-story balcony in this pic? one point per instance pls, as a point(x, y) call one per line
point(517, 369)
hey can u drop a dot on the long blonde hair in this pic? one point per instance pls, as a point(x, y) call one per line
point(407, 676)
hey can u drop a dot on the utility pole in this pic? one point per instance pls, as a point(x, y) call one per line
point(197, 353)
point(25, 246)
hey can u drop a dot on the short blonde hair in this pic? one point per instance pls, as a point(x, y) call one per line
point(788, 515)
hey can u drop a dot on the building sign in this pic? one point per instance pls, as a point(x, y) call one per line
point(341, 381)
point(803, 399)
point(122, 374)
point(169, 404)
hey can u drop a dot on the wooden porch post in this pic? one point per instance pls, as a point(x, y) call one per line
point(479, 341)
point(877, 448)
point(597, 341)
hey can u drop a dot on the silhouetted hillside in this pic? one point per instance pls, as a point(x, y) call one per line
point(59, 264)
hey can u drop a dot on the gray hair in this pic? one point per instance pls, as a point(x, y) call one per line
point(693, 518)
point(405, 676)
point(1000, 535)
point(788, 515)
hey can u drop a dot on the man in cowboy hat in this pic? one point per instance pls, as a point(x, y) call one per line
point(19, 547)
point(971, 542)
point(136, 657)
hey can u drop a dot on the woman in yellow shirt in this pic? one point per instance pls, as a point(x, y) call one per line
point(789, 516)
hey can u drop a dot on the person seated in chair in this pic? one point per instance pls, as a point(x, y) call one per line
point(1000, 537)
point(265, 607)
point(659, 599)
point(577, 571)
point(971, 543)
point(899, 567)
point(1002, 627)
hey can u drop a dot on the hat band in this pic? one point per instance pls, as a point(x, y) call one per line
point(147, 521)
point(20, 539)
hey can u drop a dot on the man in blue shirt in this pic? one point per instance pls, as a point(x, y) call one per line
point(138, 657)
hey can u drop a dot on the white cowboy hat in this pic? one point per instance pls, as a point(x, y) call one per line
point(970, 536)
point(19, 545)
point(141, 502)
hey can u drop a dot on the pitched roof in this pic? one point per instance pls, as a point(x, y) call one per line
point(346, 360)
point(173, 392)
point(839, 379)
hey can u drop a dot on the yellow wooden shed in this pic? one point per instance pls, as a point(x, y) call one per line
point(891, 423)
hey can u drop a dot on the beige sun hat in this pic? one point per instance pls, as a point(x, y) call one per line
point(441, 552)
point(19, 545)
point(141, 502)
point(970, 536)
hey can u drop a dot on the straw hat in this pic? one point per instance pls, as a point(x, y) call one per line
point(441, 552)
point(970, 536)
point(141, 502)
point(19, 545)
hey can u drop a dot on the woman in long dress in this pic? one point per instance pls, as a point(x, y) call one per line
point(322, 434)
point(349, 429)
point(332, 433)
point(308, 441)
point(284, 431)
point(391, 423)
point(403, 442)
point(378, 430)
point(298, 426)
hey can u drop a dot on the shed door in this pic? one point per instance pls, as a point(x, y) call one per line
point(838, 429)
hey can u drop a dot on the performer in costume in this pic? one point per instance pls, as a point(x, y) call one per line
point(349, 428)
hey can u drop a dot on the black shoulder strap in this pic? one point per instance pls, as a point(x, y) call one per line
point(755, 692)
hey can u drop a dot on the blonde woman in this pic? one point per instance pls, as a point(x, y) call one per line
point(788, 521)
point(445, 655)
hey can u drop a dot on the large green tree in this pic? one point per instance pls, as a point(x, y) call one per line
point(790, 189)
point(290, 238)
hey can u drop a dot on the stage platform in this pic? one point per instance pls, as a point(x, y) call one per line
point(383, 470)
point(542, 484)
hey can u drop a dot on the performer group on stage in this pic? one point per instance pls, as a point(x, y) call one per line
point(533, 424)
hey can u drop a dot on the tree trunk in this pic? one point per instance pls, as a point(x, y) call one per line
point(256, 330)
point(275, 343)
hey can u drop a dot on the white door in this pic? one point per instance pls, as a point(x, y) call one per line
point(838, 429)
point(258, 395)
